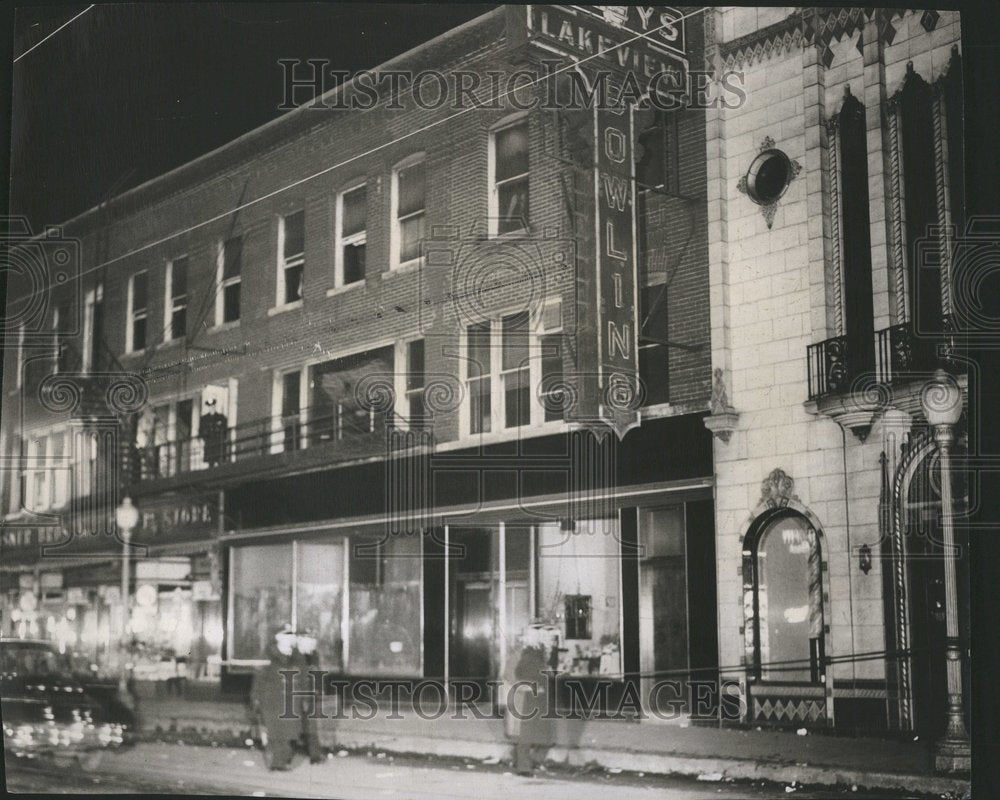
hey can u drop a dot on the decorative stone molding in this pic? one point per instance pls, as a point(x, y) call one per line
point(895, 203)
point(836, 214)
point(811, 26)
point(724, 418)
point(777, 489)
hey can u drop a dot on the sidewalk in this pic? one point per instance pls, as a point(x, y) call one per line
point(652, 747)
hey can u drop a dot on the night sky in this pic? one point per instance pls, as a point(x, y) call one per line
point(127, 92)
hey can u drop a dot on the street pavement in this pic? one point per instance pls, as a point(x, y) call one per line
point(182, 769)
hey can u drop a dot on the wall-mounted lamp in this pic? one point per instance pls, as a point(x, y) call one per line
point(865, 558)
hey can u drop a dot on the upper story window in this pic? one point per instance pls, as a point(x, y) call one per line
point(858, 310)
point(138, 312)
point(508, 160)
point(504, 359)
point(339, 404)
point(93, 327)
point(230, 268)
point(290, 390)
point(408, 207)
point(176, 299)
point(19, 363)
point(61, 324)
point(514, 370)
point(552, 393)
point(291, 257)
point(659, 164)
point(415, 379)
point(654, 349)
point(479, 377)
point(352, 223)
point(47, 479)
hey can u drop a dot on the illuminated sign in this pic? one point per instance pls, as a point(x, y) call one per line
point(645, 39)
point(616, 257)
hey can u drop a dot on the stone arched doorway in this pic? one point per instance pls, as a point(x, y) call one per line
point(786, 611)
point(919, 557)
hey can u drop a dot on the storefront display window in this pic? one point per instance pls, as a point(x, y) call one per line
point(385, 603)
point(579, 586)
point(319, 597)
point(261, 596)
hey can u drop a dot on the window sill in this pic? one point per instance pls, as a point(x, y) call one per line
point(286, 307)
point(172, 342)
point(405, 268)
point(225, 326)
point(507, 434)
point(345, 288)
point(133, 353)
point(521, 233)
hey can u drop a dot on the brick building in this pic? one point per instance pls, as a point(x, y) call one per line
point(329, 354)
point(351, 349)
point(836, 228)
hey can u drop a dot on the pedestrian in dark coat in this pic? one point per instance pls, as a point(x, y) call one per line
point(307, 704)
point(532, 732)
point(279, 727)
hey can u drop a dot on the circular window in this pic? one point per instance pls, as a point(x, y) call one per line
point(768, 177)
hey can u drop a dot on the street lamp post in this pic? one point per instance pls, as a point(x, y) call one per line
point(942, 405)
point(126, 517)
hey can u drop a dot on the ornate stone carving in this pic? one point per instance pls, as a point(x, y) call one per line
point(776, 490)
point(723, 419)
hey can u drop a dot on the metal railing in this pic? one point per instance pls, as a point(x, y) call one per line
point(901, 352)
point(828, 367)
point(905, 352)
point(347, 433)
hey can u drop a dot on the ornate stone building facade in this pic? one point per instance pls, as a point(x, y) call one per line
point(835, 210)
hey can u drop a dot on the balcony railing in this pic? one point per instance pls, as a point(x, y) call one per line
point(347, 433)
point(904, 352)
point(900, 352)
point(828, 367)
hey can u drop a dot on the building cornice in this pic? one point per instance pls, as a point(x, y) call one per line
point(811, 26)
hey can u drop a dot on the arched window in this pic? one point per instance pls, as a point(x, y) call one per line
point(787, 598)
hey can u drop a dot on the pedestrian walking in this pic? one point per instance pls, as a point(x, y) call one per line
point(308, 693)
point(525, 722)
point(279, 727)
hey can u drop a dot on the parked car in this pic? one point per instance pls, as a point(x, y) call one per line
point(47, 711)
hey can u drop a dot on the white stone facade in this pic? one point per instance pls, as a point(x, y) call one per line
point(774, 292)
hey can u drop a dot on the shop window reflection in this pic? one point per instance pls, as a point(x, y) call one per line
point(262, 596)
point(579, 572)
point(385, 606)
point(319, 598)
